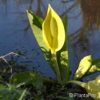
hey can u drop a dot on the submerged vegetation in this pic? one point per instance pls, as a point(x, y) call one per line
point(51, 35)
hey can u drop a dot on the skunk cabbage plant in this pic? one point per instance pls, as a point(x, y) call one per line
point(51, 36)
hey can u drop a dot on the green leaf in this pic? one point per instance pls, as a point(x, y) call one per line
point(95, 67)
point(62, 56)
point(8, 93)
point(28, 78)
point(36, 25)
point(35, 20)
point(65, 22)
point(92, 87)
point(1, 78)
point(84, 66)
point(64, 66)
point(2, 87)
point(23, 94)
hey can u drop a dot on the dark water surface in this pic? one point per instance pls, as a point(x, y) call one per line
point(83, 31)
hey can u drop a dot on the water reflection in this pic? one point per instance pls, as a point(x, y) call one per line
point(4, 2)
point(91, 13)
point(81, 17)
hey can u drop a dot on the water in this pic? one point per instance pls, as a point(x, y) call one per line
point(16, 36)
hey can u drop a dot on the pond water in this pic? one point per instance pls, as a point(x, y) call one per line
point(16, 35)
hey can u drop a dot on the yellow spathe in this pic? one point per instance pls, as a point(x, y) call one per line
point(84, 65)
point(53, 31)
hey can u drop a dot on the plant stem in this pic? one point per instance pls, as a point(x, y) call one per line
point(56, 67)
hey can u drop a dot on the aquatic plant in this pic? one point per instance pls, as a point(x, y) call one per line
point(50, 35)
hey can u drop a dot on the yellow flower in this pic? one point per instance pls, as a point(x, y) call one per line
point(53, 31)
